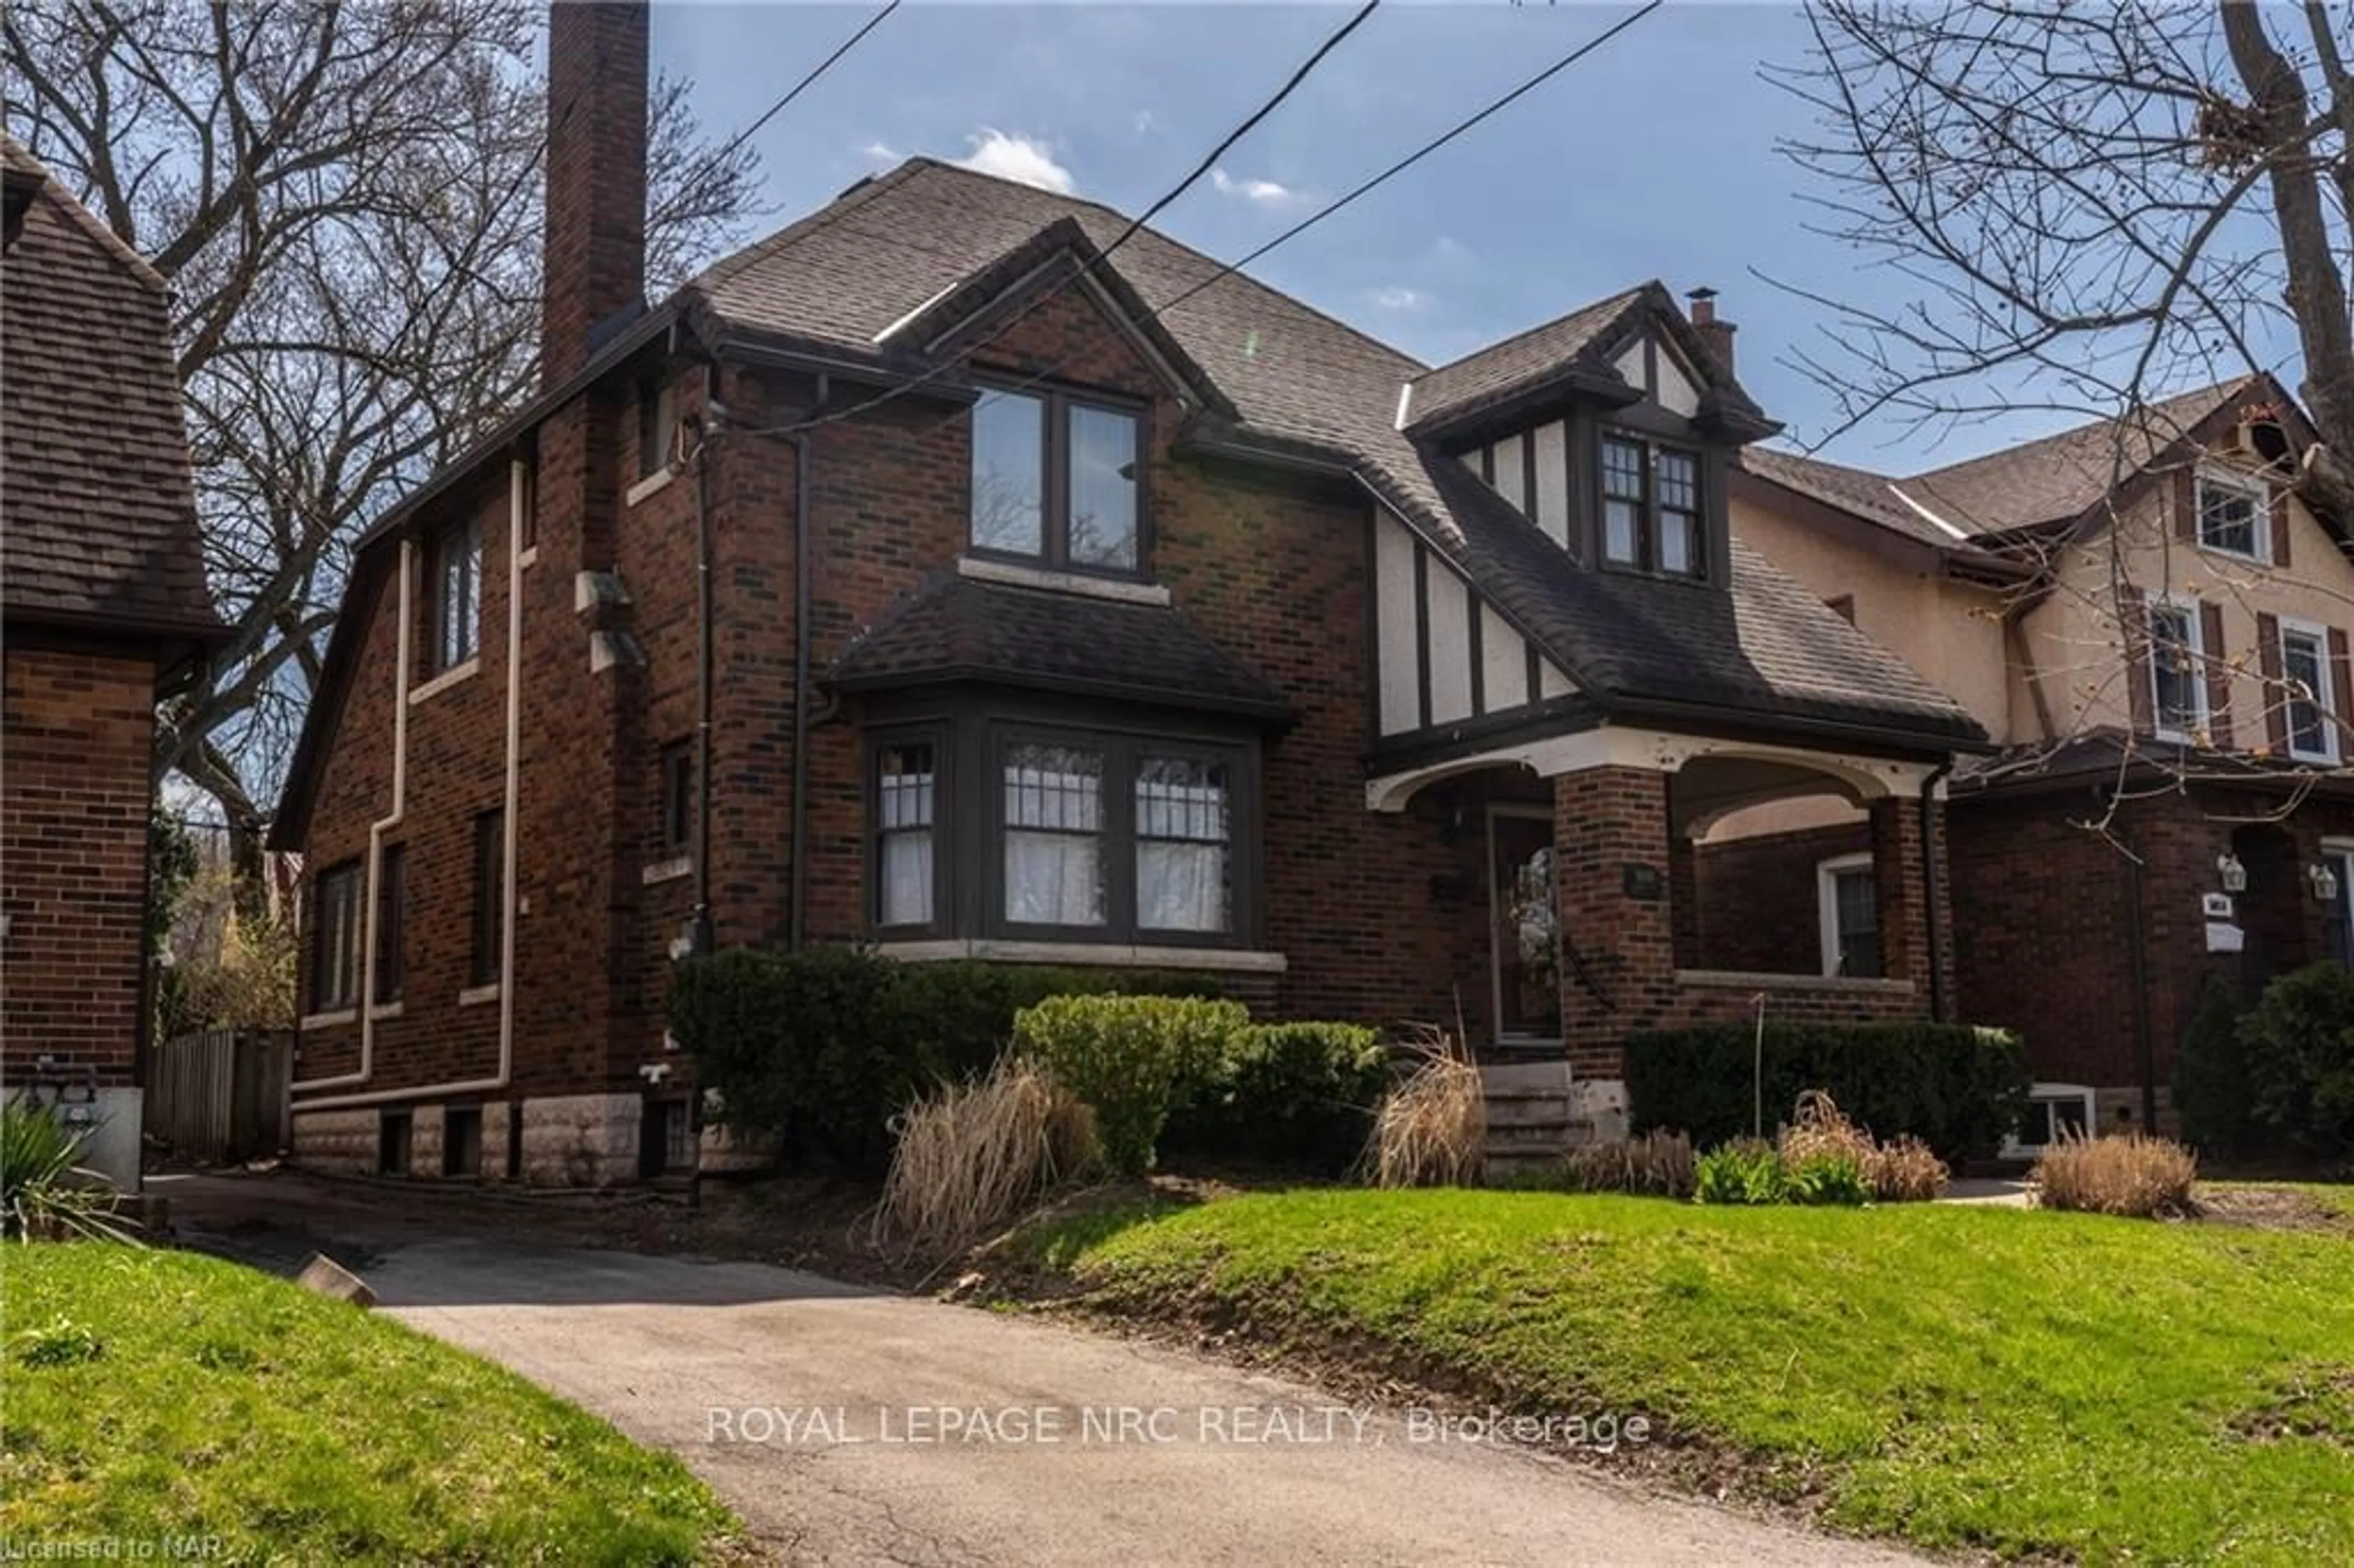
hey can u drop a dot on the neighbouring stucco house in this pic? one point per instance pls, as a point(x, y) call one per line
point(959, 572)
point(102, 589)
point(2154, 626)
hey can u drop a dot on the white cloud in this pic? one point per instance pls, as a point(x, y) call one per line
point(1144, 121)
point(1397, 296)
point(880, 153)
point(1267, 193)
point(1016, 158)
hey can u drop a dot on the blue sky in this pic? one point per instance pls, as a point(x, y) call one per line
point(1654, 157)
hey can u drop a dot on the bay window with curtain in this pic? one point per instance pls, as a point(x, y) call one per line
point(1039, 833)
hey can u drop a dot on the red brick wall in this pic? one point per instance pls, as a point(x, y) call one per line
point(596, 173)
point(1759, 899)
point(75, 735)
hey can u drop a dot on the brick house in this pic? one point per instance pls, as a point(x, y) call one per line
point(102, 590)
point(960, 572)
point(2165, 659)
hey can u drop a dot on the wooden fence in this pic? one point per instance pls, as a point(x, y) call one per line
point(220, 1096)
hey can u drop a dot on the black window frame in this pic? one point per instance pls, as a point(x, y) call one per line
point(485, 964)
point(1054, 553)
point(441, 653)
point(1648, 514)
point(945, 837)
point(338, 887)
point(391, 924)
point(675, 831)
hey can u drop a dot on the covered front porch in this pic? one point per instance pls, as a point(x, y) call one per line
point(1632, 880)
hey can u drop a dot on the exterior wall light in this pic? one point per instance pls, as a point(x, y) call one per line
point(2234, 875)
point(2324, 880)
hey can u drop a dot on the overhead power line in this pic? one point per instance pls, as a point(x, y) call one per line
point(799, 87)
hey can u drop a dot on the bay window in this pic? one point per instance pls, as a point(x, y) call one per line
point(1055, 479)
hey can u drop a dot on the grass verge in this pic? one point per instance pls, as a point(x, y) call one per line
point(159, 1396)
point(1960, 1377)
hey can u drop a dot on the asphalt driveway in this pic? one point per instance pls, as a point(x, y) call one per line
point(848, 1426)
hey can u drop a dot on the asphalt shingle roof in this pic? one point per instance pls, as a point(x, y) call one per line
point(1501, 369)
point(964, 627)
point(99, 524)
point(1298, 379)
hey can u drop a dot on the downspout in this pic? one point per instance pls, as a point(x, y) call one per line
point(797, 930)
point(1931, 885)
point(518, 498)
point(705, 654)
point(376, 829)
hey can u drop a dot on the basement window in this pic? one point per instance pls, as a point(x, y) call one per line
point(394, 1131)
point(461, 1140)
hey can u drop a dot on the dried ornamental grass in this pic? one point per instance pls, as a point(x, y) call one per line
point(1901, 1171)
point(1432, 1129)
point(971, 1155)
point(1906, 1171)
point(2135, 1175)
point(1659, 1161)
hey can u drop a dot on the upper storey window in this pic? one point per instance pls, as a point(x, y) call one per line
point(2233, 516)
point(1054, 480)
point(1651, 507)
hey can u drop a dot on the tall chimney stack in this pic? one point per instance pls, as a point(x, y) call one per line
point(1717, 335)
point(595, 264)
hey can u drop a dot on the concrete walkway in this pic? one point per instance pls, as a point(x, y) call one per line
point(850, 1426)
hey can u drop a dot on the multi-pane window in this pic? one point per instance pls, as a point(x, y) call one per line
point(2178, 684)
point(391, 913)
point(906, 796)
point(1055, 479)
point(454, 596)
point(1850, 917)
point(2305, 681)
point(490, 897)
point(2232, 514)
point(335, 940)
point(1053, 821)
point(1651, 507)
point(1184, 831)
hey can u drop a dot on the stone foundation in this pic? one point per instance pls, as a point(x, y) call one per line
point(581, 1141)
point(337, 1142)
point(425, 1141)
point(495, 1115)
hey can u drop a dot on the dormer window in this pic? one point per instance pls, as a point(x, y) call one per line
point(1054, 480)
point(1651, 507)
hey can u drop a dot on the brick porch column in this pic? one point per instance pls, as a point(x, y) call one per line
point(1617, 916)
point(1898, 870)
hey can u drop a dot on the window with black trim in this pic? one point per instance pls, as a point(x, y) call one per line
point(677, 797)
point(490, 897)
point(391, 912)
point(1651, 507)
point(1055, 479)
point(453, 596)
point(335, 939)
point(906, 798)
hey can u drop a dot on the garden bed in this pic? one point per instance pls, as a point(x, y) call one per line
point(1963, 1378)
point(155, 1397)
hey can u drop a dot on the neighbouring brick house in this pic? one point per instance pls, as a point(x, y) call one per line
point(103, 588)
point(959, 572)
point(2163, 656)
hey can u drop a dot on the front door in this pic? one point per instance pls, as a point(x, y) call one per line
point(1525, 933)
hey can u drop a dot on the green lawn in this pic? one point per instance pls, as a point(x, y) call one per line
point(2031, 1382)
point(187, 1397)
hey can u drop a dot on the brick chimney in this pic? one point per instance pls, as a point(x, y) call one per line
point(1717, 335)
point(596, 254)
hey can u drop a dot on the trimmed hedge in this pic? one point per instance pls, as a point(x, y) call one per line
point(1127, 1057)
point(2299, 1047)
point(2212, 1092)
point(824, 1047)
point(1956, 1087)
point(1299, 1097)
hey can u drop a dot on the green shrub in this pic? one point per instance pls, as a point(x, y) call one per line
point(1126, 1057)
point(1297, 1095)
point(45, 1193)
point(1956, 1087)
point(824, 1047)
point(2210, 1075)
point(1745, 1171)
point(2298, 1045)
point(1828, 1178)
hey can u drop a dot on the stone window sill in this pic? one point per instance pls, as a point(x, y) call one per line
point(1014, 574)
point(1100, 954)
point(329, 1019)
point(654, 484)
point(384, 1010)
point(476, 996)
point(446, 679)
point(1834, 985)
point(530, 558)
point(669, 870)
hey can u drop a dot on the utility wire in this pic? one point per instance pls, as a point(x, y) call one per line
point(1134, 225)
point(794, 92)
